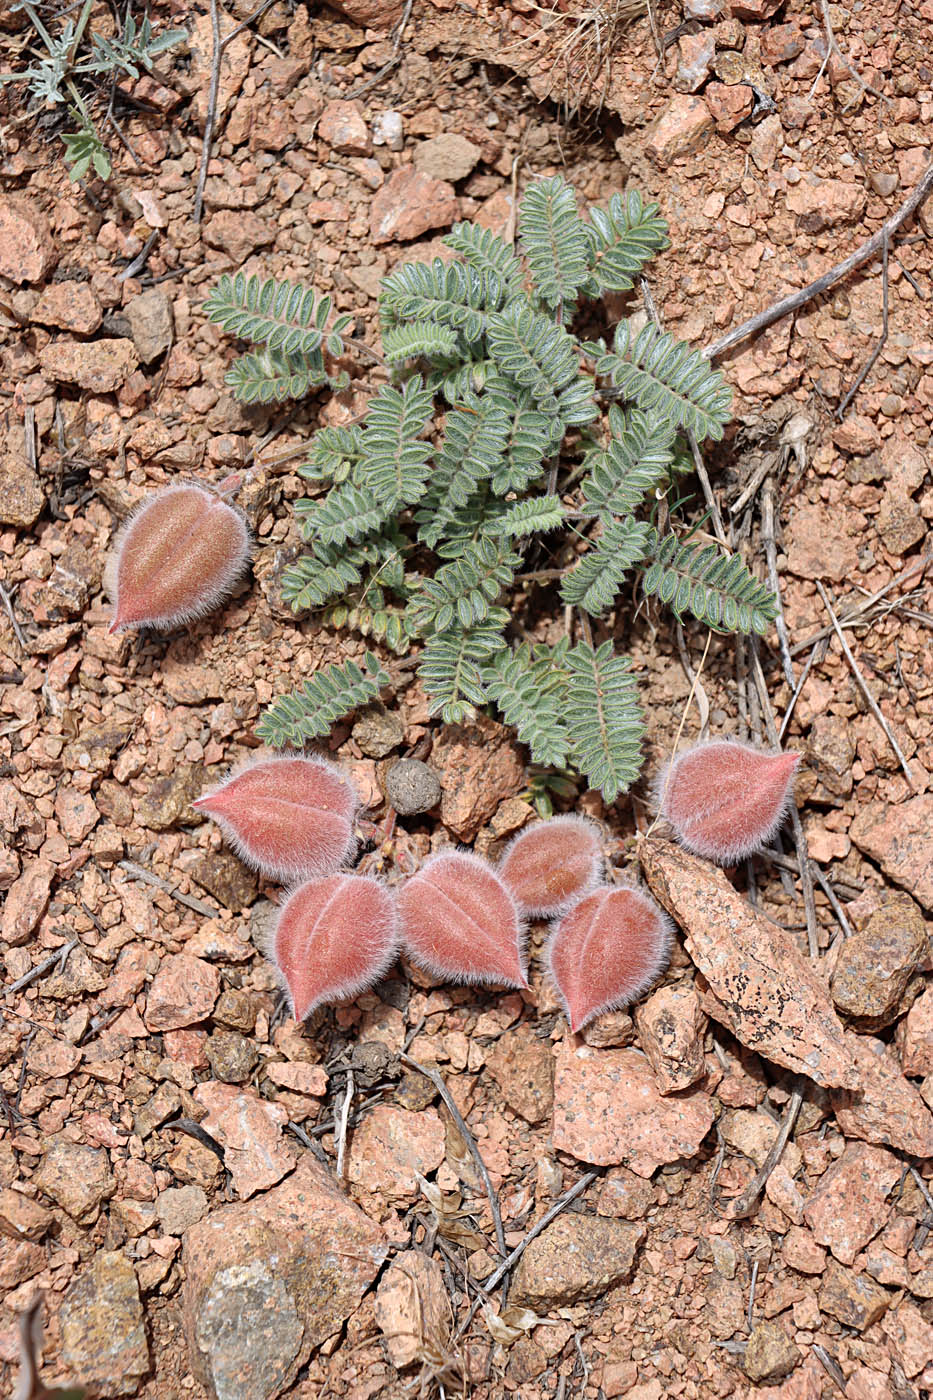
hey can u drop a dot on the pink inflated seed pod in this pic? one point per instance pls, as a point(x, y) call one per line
point(291, 817)
point(606, 951)
point(177, 558)
point(726, 799)
point(550, 865)
point(458, 919)
point(334, 938)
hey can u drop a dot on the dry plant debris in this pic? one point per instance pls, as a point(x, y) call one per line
point(687, 1212)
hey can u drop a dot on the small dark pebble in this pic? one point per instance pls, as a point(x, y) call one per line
point(412, 787)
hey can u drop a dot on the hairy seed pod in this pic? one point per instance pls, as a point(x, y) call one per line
point(457, 919)
point(333, 939)
point(725, 799)
point(177, 558)
point(290, 817)
point(550, 865)
point(607, 950)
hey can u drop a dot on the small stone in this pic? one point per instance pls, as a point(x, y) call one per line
point(703, 9)
point(857, 435)
point(884, 182)
point(26, 902)
point(69, 306)
point(830, 755)
point(224, 876)
point(182, 993)
point(378, 731)
point(911, 1336)
point(409, 204)
point(769, 1354)
point(576, 1258)
point(876, 963)
point(77, 1178)
point(20, 1262)
point(391, 1148)
point(729, 104)
point(847, 1209)
point(249, 1129)
point(624, 1196)
point(103, 1335)
point(168, 801)
point(820, 204)
point(238, 232)
point(22, 1217)
point(180, 1207)
point(681, 129)
point(899, 523)
point(412, 1309)
point(917, 1048)
point(231, 1056)
point(780, 43)
point(818, 546)
point(900, 839)
point(696, 52)
point(412, 787)
point(28, 251)
point(767, 140)
point(299, 1077)
point(754, 10)
point(268, 1280)
point(343, 127)
point(801, 1251)
point(480, 766)
point(51, 1058)
point(21, 496)
point(523, 1065)
point(671, 1027)
point(101, 366)
point(607, 1110)
point(855, 1300)
point(236, 1009)
point(446, 157)
point(152, 323)
point(389, 130)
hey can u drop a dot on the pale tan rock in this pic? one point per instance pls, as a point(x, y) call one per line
point(524, 1067)
point(917, 1048)
point(818, 543)
point(28, 251)
point(77, 1178)
point(392, 1147)
point(249, 1129)
point(234, 66)
point(820, 204)
point(911, 1337)
point(759, 985)
point(410, 204)
point(683, 127)
point(449, 156)
point(900, 839)
point(21, 495)
point(848, 1207)
point(857, 435)
point(102, 1327)
point(480, 765)
point(99, 365)
point(26, 902)
point(624, 1196)
point(802, 1253)
point(885, 1108)
point(607, 1110)
point(729, 104)
point(69, 306)
point(876, 963)
point(267, 1280)
point(577, 1257)
point(343, 127)
point(671, 1027)
point(413, 1309)
point(183, 992)
point(51, 1058)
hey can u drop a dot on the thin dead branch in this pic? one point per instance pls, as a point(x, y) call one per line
point(882, 339)
point(795, 300)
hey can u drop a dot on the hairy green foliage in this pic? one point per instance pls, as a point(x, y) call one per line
point(312, 711)
point(504, 454)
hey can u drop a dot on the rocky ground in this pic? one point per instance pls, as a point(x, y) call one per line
point(168, 1136)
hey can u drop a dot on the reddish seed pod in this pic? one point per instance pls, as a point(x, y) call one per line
point(550, 865)
point(606, 951)
point(725, 799)
point(177, 558)
point(290, 817)
point(458, 919)
point(333, 939)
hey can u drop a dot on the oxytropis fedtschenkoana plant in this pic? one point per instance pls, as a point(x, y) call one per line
point(506, 453)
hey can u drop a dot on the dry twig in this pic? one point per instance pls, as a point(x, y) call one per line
point(436, 1079)
point(863, 687)
point(211, 116)
point(140, 872)
point(795, 300)
point(59, 956)
point(743, 1206)
point(882, 339)
point(344, 1121)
